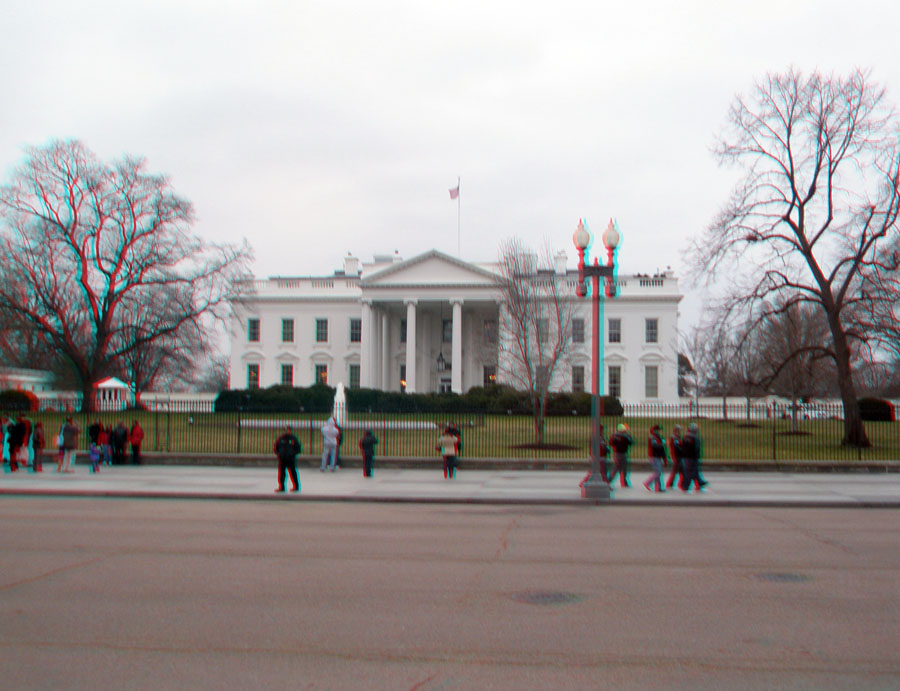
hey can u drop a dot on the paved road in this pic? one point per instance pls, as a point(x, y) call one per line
point(126, 593)
point(471, 486)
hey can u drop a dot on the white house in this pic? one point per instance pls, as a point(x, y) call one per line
point(433, 323)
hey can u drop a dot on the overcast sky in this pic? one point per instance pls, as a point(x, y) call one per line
point(314, 129)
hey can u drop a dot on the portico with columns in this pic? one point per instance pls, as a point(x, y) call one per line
point(417, 314)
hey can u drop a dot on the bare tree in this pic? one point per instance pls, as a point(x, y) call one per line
point(818, 200)
point(92, 241)
point(536, 314)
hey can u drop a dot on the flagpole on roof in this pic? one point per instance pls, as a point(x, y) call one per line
point(454, 194)
point(458, 205)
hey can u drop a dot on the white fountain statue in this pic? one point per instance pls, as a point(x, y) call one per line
point(339, 411)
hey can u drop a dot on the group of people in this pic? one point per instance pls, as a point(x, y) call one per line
point(287, 447)
point(109, 445)
point(23, 443)
point(684, 451)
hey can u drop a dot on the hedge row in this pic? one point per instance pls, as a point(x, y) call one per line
point(319, 398)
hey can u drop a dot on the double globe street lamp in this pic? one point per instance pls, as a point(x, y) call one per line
point(596, 485)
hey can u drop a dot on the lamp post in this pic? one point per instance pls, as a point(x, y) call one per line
point(596, 486)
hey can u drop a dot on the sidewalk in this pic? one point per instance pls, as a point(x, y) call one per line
point(855, 490)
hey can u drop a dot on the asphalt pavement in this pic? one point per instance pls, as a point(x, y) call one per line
point(789, 489)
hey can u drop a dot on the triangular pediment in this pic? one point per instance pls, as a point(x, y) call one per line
point(432, 268)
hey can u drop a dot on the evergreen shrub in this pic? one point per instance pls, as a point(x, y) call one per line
point(876, 410)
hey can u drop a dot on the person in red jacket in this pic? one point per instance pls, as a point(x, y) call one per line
point(136, 436)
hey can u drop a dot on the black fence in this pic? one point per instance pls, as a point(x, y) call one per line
point(730, 433)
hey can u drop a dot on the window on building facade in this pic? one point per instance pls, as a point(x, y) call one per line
point(447, 331)
point(578, 331)
point(321, 331)
point(445, 385)
point(354, 376)
point(355, 329)
point(615, 330)
point(578, 378)
point(651, 330)
point(490, 375)
point(402, 378)
point(403, 331)
point(287, 330)
point(544, 330)
point(321, 374)
point(252, 376)
point(490, 331)
point(651, 381)
point(615, 381)
point(287, 375)
point(253, 330)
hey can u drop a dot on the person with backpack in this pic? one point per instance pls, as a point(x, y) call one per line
point(287, 446)
point(621, 442)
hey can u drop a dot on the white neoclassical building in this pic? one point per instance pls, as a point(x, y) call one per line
point(434, 323)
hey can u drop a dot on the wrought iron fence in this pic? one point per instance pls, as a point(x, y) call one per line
point(730, 432)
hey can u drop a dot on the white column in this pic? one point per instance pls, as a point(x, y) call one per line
point(386, 384)
point(456, 372)
point(376, 347)
point(410, 346)
point(366, 360)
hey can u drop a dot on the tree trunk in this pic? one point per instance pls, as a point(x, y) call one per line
point(854, 430)
point(88, 400)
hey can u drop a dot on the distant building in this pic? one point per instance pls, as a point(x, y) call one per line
point(25, 379)
point(433, 323)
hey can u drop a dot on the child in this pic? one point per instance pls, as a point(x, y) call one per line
point(94, 455)
point(367, 446)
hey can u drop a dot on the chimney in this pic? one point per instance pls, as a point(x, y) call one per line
point(351, 265)
point(559, 262)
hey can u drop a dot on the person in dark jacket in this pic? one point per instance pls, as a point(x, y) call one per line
point(621, 442)
point(15, 438)
point(367, 446)
point(692, 450)
point(656, 452)
point(676, 453)
point(119, 441)
point(287, 446)
point(38, 441)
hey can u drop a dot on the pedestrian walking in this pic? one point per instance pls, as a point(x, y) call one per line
point(70, 432)
point(603, 447)
point(656, 452)
point(692, 449)
point(367, 445)
point(329, 453)
point(448, 446)
point(136, 437)
point(621, 442)
point(287, 446)
point(676, 455)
